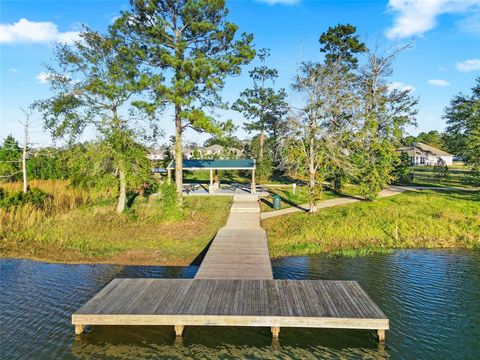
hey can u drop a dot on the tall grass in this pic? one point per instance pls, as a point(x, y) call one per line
point(64, 198)
point(145, 234)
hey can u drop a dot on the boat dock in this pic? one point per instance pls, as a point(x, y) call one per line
point(234, 286)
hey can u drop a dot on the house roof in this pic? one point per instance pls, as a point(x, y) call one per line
point(418, 148)
point(153, 151)
point(214, 147)
point(238, 164)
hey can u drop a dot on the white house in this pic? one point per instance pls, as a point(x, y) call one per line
point(426, 155)
point(156, 154)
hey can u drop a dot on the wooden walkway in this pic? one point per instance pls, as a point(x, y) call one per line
point(240, 250)
point(234, 286)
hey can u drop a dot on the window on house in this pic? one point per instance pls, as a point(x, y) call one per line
point(422, 160)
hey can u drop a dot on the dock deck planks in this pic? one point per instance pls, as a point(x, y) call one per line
point(292, 303)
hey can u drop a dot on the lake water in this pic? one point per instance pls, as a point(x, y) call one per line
point(431, 297)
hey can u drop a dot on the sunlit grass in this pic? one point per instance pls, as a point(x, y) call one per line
point(424, 219)
point(289, 199)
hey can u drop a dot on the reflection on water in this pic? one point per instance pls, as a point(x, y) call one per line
point(431, 297)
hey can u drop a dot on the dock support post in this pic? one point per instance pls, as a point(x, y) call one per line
point(275, 331)
point(210, 188)
point(253, 185)
point(381, 335)
point(179, 329)
point(78, 329)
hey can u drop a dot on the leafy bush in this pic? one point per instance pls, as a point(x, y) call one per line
point(402, 172)
point(473, 177)
point(264, 169)
point(34, 196)
point(170, 205)
point(440, 169)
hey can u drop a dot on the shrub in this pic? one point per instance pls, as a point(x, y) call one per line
point(440, 169)
point(36, 197)
point(473, 177)
point(170, 205)
point(402, 172)
point(264, 169)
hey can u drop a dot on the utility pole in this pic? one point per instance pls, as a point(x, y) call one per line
point(26, 124)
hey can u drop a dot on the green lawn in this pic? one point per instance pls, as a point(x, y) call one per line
point(425, 219)
point(144, 235)
point(288, 198)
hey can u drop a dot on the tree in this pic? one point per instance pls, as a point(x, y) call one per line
point(95, 84)
point(320, 142)
point(261, 104)
point(462, 136)
point(93, 165)
point(433, 138)
point(315, 139)
point(385, 114)
point(226, 138)
point(340, 45)
point(49, 163)
point(195, 47)
point(10, 159)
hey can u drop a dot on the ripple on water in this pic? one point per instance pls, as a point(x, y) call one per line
point(431, 297)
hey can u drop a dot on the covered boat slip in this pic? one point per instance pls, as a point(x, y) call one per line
point(230, 302)
point(214, 166)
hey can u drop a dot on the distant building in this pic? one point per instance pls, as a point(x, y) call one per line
point(156, 154)
point(216, 151)
point(426, 155)
point(209, 152)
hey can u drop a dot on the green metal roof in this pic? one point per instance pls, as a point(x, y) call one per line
point(216, 164)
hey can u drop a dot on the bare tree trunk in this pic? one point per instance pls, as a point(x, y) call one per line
point(24, 159)
point(122, 198)
point(178, 154)
point(311, 176)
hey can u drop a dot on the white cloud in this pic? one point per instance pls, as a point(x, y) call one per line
point(282, 2)
point(13, 70)
point(25, 31)
point(468, 65)
point(43, 77)
point(415, 17)
point(471, 23)
point(439, 82)
point(397, 85)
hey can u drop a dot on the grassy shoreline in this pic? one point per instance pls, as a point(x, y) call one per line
point(142, 236)
point(420, 219)
point(94, 234)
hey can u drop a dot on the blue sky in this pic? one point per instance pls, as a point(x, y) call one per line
point(444, 60)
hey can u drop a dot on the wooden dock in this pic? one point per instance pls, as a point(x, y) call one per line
point(234, 286)
point(272, 303)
